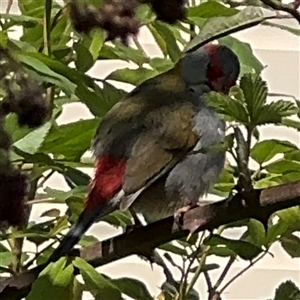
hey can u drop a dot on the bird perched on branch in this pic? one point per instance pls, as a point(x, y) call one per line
point(148, 146)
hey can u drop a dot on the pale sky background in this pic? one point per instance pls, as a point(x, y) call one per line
point(277, 50)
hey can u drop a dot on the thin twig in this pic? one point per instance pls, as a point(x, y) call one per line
point(288, 8)
point(224, 273)
point(237, 275)
point(9, 5)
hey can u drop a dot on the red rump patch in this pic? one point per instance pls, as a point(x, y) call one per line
point(109, 172)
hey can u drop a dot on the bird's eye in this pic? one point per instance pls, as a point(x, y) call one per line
point(191, 90)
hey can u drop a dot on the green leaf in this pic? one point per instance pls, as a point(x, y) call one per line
point(60, 225)
point(275, 111)
point(170, 247)
point(267, 149)
point(52, 213)
point(283, 166)
point(160, 41)
point(287, 290)
point(62, 196)
point(97, 43)
point(32, 142)
point(218, 27)
point(172, 47)
point(87, 240)
point(291, 217)
point(245, 250)
point(129, 54)
point(227, 106)
point(292, 30)
point(255, 233)
point(291, 123)
point(67, 86)
point(98, 285)
point(135, 77)
point(71, 140)
point(54, 282)
point(85, 90)
point(291, 244)
point(275, 231)
point(84, 59)
point(75, 177)
point(255, 94)
point(221, 251)
point(132, 288)
point(161, 64)
point(210, 9)
point(244, 52)
point(118, 219)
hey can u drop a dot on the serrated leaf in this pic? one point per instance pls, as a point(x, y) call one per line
point(32, 142)
point(267, 149)
point(217, 27)
point(132, 288)
point(291, 123)
point(275, 111)
point(227, 106)
point(134, 77)
point(287, 290)
point(245, 54)
point(98, 285)
point(54, 282)
point(255, 93)
point(245, 250)
point(291, 244)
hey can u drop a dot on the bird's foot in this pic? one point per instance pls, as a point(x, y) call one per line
point(181, 211)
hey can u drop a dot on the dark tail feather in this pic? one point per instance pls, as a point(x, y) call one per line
point(78, 229)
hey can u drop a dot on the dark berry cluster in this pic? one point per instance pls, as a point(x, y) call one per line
point(14, 187)
point(117, 17)
point(24, 98)
point(169, 11)
point(28, 103)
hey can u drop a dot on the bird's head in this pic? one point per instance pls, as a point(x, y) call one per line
point(215, 66)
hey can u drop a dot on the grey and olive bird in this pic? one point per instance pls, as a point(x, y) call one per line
point(147, 147)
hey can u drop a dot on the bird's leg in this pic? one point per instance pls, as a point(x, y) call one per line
point(150, 254)
point(137, 221)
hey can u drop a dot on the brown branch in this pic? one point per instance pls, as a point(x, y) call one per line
point(144, 239)
point(288, 8)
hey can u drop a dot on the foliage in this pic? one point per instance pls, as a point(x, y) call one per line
point(58, 58)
